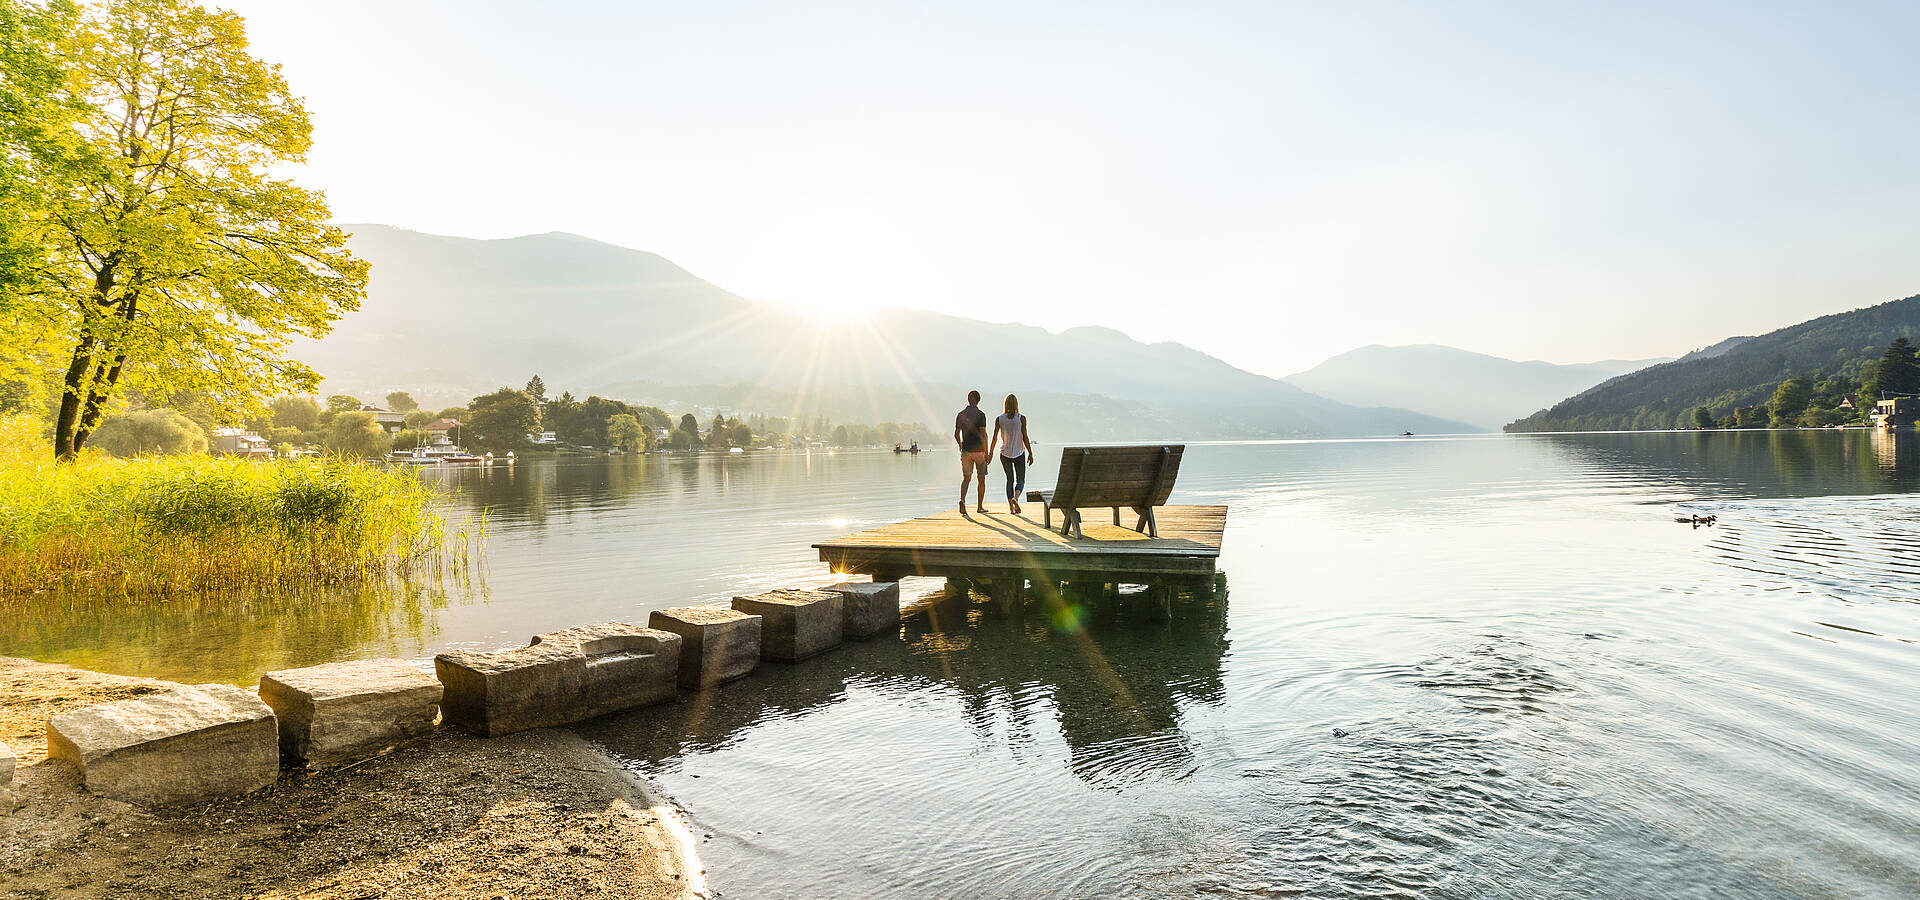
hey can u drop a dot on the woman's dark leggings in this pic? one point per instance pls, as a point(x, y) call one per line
point(1016, 469)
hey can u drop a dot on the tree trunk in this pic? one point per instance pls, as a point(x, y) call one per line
point(83, 398)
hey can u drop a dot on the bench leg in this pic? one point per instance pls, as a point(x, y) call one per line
point(1046, 517)
point(1116, 517)
point(1147, 525)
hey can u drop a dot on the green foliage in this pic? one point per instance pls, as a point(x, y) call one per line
point(1790, 399)
point(401, 402)
point(296, 412)
point(626, 434)
point(148, 432)
point(1897, 372)
point(192, 523)
point(500, 422)
point(356, 435)
point(168, 256)
point(420, 417)
point(339, 403)
point(1702, 417)
point(1845, 346)
point(537, 389)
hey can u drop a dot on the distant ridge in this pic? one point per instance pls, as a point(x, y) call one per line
point(462, 316)
point(1736, 372)
point(1486, 391)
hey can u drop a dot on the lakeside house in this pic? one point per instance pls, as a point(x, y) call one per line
point(240, 442)
point(1896, 412)
point(440, 428)
point(388, 420)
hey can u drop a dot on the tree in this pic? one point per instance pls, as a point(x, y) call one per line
point(739, 434)
point(170, 255)
point(32, 116)
point(626, 434)
point(717, 433)
point(150, 431)
point(1702, 417)
point(1790, 400)
point(401, 402)
point(537, 389)
point(339, 403)
point(687, 436)
point(357, 434)
point(1898, 372)
point(501, 421)
point(296, 412)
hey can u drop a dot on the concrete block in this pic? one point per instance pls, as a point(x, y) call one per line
point(343, 712)
point(563, 676)
point(188, 744)
point(716, 644)
point(869, 610)
point(796, 624)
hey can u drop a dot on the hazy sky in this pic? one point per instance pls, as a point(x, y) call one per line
point(1270, 182)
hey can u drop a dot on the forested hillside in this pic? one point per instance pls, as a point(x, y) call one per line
point(1837, 349)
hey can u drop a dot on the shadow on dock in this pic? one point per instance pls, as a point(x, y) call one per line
point(1114, 669)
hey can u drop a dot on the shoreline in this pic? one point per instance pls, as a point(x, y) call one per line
point(536, 814)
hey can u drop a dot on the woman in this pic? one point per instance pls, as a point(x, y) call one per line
point(1016, 450)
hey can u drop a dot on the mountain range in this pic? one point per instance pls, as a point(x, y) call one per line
point(448, 317)
point(1737, 372)
point(1485, 391)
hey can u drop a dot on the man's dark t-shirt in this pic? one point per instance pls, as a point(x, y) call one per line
point(973, 429)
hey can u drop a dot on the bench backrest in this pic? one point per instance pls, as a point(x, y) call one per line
point(1117, 476)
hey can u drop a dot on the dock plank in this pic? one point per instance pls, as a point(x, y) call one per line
point(987, 544)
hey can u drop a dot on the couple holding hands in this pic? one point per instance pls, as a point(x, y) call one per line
point(1010, 436)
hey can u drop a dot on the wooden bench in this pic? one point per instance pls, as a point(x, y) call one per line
point(1139, 478)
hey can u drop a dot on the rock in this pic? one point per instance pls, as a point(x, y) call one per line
point(562, 677)
point(797, 624)
point(716, 644)
point(869, 610)
point(9, 801)
point(343, 712)
point(191, 743)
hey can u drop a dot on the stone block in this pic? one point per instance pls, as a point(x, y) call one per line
point(716, 644)
point(188, 744)
point(8, 800)
point(795, 624)
point(563, 676)
point(343, 712)
point(869, 610)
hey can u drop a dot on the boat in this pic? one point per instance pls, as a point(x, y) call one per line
point(735, 450)
point(913, 449)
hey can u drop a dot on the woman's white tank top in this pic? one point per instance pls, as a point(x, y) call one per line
point(1012, 442)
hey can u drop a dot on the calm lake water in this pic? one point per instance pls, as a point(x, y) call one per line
point(1488, 666)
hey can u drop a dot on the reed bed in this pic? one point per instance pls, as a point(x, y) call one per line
point(166, 525)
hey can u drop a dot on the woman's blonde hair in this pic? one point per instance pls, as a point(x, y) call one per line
point(1013, 405)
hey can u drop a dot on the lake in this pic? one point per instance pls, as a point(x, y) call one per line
point(1440, 667)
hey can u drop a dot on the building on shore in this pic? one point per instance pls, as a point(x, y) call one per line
point(240, 442)
point(1896, 412)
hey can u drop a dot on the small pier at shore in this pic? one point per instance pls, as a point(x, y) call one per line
point(1005, 551)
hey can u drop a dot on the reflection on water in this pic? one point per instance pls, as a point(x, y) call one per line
point(1116, 688)
point(1452, 667)
point(231, 637)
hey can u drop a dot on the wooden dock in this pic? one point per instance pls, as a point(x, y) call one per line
point(996, 547)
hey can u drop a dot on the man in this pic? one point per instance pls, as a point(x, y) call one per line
point(970, 432)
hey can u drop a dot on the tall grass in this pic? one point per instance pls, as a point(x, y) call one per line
point(160, 525)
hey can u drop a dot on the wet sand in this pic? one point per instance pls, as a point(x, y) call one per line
point(539, 814)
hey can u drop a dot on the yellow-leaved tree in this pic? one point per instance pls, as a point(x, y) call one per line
point(167, 254)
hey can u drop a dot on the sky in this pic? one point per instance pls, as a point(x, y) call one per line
point(1273, 183)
